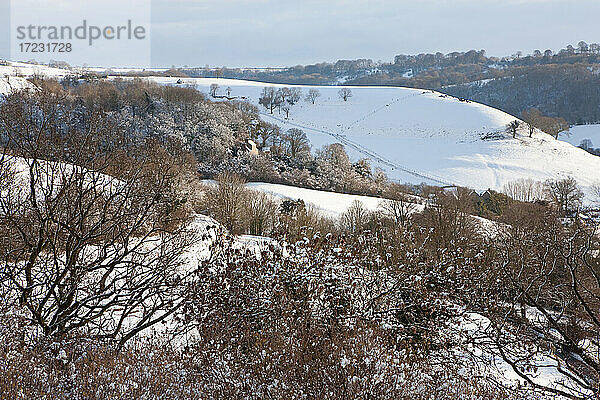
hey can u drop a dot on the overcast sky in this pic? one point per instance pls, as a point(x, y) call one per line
point(290, 32)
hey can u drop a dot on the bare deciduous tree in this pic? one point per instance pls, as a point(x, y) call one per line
point(525, 190)
point(286, 109)
point(550, 282)
point(226, 201)
point(564, 194)
point(291, 95)
point(214, 88)
point(532, 118)
point(355, 218)
point(399, 209)
point(270, 98)
point(345, 93)
point(552, 126)
point(85, 251)
point(91, 240)
point(296, 143)
point(264, 133)
point(312, 96)
point(513, 128)
point(261, 214)
point(586, 144)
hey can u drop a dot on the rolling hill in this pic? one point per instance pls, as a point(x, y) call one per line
point(413, 135)
point(422, 136)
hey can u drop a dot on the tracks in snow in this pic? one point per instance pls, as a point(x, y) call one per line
point(368, 152)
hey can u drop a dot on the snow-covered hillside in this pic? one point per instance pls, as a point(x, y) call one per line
point(327, 203)
point(578, 133)
point(413, 135)
point(12, 69)
point(9, 84)
point(423, 136)
point(13, 75)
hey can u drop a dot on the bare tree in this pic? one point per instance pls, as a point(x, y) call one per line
point(261, 213)
point(345, 93)
point(312, 95)
point(525, 190)
point(291, 95)
point(92, 245)
point(530, 128)
point(265, 133)
point(214, 88)
point(586, 144)
point(554, 126)
point(399, 209)
point(513, 127)
point(286, 109)
point(564, 194)
point(550, 125)
point(532, 118)
point(270, 98)
point(335, 154)
point(548, 279)
point(227, 201)
point(355, 218)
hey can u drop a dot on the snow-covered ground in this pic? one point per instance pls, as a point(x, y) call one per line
point(475, 330)
point(578, 133)
point(12, 83)
point(13, 75)
point(422, 136)
point(329, 204)
point(414, 135)
point(28, 70)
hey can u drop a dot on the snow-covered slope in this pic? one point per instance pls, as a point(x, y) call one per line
point(327, 203)
point(13, 75)
point(333, 205)
point(11, 83)
point(423, 136)
point(578, 133)
point(413, 135)
point(11, 68)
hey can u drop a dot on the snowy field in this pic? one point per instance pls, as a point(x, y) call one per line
point(578, 133)
point(329, 204)
point(8, 84)
point(28, 70)
point(422, 136)
point(414, 135)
